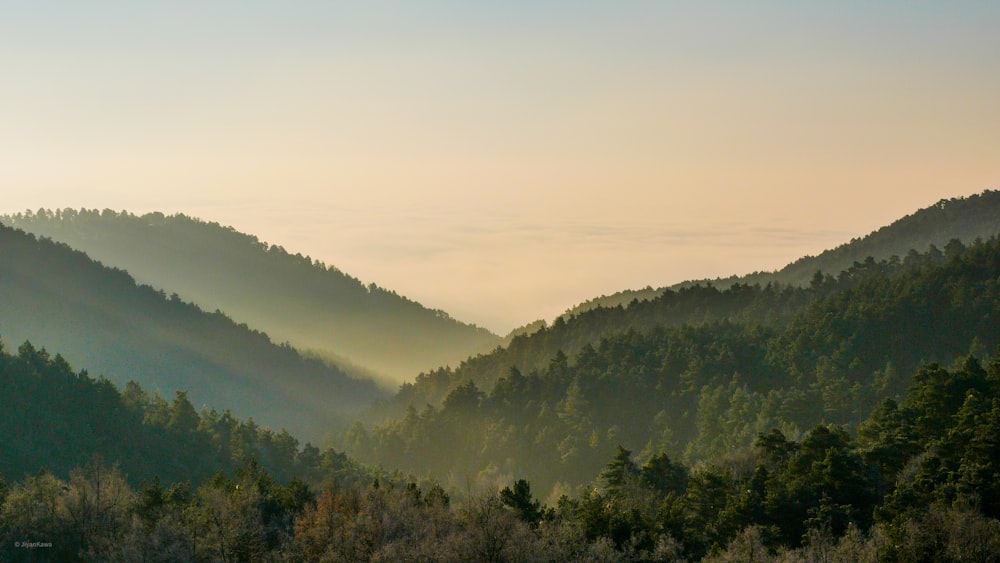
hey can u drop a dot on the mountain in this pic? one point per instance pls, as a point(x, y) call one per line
point(291, 297)
point(60, 299)
point(773, 422)
point(772, 305)
point(745, 360)
point(963, 218)
point(768, 298)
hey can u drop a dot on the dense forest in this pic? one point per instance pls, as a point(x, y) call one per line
point(744, 360)
point(99, 317)
point(291, 297)
point(852, 417)
point(920, 481)
point(60, 418)
point(962, 218)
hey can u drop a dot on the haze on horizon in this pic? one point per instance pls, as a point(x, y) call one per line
point(505, 161)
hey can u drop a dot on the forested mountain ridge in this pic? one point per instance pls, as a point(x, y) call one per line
point(772, 305)
point(291, 297)
point(698, 390)
point(60, 299)
point(734, 416)
point(692, 305)
point(768, 298)
point(962, 218)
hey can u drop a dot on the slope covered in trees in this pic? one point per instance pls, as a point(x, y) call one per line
point(749, 423)
point(91, 473)
point(693, 305)
point(291, 297)
point(772, 305)
point(59, 298)
point(917, 483)
point(698, 391)
point(57, 419)
point(963, 218)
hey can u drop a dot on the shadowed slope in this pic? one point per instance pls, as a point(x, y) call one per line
point(99, 317)
point(289, 296)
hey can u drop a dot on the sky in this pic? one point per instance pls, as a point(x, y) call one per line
point(504, 161)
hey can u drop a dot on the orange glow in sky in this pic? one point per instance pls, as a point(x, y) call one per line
point(505, 161)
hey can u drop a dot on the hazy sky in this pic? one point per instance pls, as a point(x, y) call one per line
point(506, 160)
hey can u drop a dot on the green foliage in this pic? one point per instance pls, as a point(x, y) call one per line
point(817, 498)
point(519, 499)
point(664, 476)
point(620, 473)
point(55, 418)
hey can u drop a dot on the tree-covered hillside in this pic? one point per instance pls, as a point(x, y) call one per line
point(92, 473)
point(60, 299)
point(291, 297)
point(846, 421)
point(771, 305)
point(692, 305)
point(919, 482)
point(747, 359)
point(57, 419)
point(963, 218)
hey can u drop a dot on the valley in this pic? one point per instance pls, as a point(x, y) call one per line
point(853, 410)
